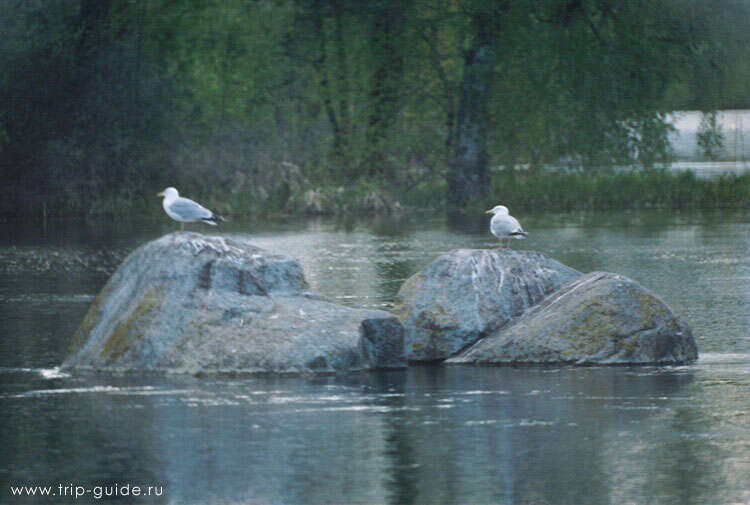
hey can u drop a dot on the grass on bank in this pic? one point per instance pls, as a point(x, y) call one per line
point(561, 191)
point(536, 191)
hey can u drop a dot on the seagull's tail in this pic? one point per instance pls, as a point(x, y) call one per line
point(213, 220)
point(519, 234)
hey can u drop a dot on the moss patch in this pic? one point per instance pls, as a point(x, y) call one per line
point(132, 328)
point(87, 325)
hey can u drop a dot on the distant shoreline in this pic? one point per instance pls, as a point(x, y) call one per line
point(734, 125)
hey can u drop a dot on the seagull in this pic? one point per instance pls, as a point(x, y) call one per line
point(185, 210)
point(504, 226)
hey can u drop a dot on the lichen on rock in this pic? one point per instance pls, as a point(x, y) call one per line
point(600, 318)
point(195, 304)
point(466, 294)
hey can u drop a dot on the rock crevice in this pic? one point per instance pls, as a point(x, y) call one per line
point(466, 294)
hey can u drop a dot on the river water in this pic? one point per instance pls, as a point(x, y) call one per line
point(558, 435)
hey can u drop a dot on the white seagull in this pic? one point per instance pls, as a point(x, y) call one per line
point(185, 210)
point(504, 226)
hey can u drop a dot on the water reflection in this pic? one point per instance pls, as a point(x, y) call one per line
point(427, 435)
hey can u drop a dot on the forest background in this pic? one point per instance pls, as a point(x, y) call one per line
point(329, 106)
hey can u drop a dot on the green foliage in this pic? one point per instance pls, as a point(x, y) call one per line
point(104, 102)
point(710, 138)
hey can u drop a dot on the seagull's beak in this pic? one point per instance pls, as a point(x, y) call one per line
point(488, 211)
point(160, 194)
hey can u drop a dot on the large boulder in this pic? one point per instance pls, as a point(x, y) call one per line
point(600, 318)
point(192, 303)
point(467, 294)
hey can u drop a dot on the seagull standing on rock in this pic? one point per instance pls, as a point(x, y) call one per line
point(504, 226)
point(185, 210)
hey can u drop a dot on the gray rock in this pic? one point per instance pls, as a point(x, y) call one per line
point(600, 318)
point(467, 294)
point(191, 303)
point(381, 343)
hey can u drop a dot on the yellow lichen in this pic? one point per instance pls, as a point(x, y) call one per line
point(87, 325)
point(125, 333)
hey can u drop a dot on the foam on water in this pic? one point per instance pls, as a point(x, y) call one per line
point(713, 358)
point(46, 298)
point(46, 373)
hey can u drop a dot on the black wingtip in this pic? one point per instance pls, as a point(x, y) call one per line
point(214, 219)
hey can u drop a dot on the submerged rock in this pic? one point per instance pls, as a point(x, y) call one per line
point(467, 294)
point(15, 260)
point(600, 318)
point(191, 303)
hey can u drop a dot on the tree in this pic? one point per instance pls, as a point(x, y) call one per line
point(109, 98)
point(387, 26)
point(468, 173)
point(710, 138)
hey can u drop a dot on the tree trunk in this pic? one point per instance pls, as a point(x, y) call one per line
point(386, 82)
point(321, 68)
point(468, 171)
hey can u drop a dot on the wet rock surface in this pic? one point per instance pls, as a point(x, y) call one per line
point(600, 318)
point(192, 303)
point(467, 294)
point(381, 343)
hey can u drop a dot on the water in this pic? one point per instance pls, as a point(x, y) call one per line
point(559, 435)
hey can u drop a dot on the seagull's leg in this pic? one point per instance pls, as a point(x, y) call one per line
point(182, 226)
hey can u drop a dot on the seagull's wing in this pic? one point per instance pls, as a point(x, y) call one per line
point(506, 226)
point(189, 210)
